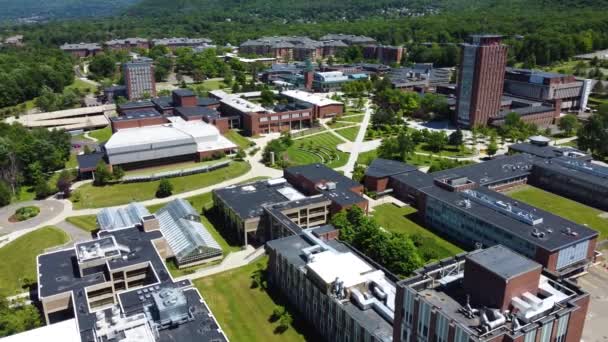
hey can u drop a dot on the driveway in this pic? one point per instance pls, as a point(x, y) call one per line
point(49, 209)
point(595, 283)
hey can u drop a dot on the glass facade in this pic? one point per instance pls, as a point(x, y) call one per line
point(466, 84)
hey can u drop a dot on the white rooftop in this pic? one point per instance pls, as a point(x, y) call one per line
point(65, 331)
point(315, 99)
point(241, 104)
point(329, 265)
point(207, 137)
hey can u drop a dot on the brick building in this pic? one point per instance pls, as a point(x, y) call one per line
point(127, 44)
point(82, 50)
point(386, 54)
point(481, 80)
point(488, 295)
point(139, 79)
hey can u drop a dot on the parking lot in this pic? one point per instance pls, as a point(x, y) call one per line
point(596, 283)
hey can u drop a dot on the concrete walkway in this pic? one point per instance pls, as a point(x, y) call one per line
point(357, 144)
point(49, 209)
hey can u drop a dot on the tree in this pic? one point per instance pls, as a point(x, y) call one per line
point(599, 88)
point(437, 140)
point(64, 183)
point(42, 189)
point(569, 124)
point(359, 173)
point(593, 135)
point(102, 175)
point(285, 321)
point(456, 138)
point(102, 66)
point(165, 188)
point(117, 173)
point(267, 98)
point(18, 318)
point(492, 147)
point(5, 194)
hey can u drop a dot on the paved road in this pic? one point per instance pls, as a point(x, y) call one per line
point(49, 209)
point(595, 283)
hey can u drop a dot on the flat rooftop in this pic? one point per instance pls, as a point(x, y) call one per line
point(577, 169)
point(249, 200)
point(137, 114)
point(320, 174)
point(549, 152)
point(499, 169)
point(380, 168)
point(339, 260)
point(503, 262)
point(552, 227)
point(317, 100)
point(58, 273)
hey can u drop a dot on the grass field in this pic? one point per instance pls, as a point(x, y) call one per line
point(102, 135)
point(117, 194)
point(84, 222)
point(563, 207)
point(338, 124)
point(414, 159)
point(400, 220)
point(327, 141)
point(243, 312)
point(352, 118)
point(349, 133)
point(239, 140)
point(18, 267)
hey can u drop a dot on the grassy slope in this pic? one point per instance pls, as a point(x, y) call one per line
point(238, 139)
point(399, 220)
point(109, 195)
point(243, 312)
point(19, 257)
point(563, 207)
point(84, 222)
point(102, 135)
point(326, 140)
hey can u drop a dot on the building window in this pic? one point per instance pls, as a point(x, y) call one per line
point(562, 328)
point(545, 334)
point(531, 336)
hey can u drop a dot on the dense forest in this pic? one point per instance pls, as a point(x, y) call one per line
point(539, 31)
point(37, 10)
point(24, 72)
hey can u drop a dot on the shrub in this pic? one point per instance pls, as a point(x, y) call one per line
point(42, 189)
point(165, 188)
point(5, 194)
point(26, 213)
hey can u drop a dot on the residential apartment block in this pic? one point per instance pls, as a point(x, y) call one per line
point(139, 79)
point(81, 50)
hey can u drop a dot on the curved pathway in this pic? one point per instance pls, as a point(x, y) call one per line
point(49, 209)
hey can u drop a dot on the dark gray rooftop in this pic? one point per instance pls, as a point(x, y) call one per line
point(547, 152)
point(89, 161)
point(135, 104)
point(137, 115)
point(591, 173)
point(552, 241)
point(248, 200)
point(529, 110)
point(183, 92)
point(189, 112)
point(163, 102)
point(503, 262)
point(384, 167)
point(499, 169)
point(207, 101)
point(321, 174)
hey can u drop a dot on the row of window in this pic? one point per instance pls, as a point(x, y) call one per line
point(285, 116)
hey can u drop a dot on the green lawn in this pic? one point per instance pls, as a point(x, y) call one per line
point(563, 207)
point(172, 167)
point(243, 312)
point(349, 133)
point(18, 267)
point(117, 194)
point(84, 222)
point(326, 144)
point(72, 163)
point(239, 140)
point(367, 157)
point(401, 220)
point(352, 118)
point(337, 125)
point(102, 135)
point(414, 159)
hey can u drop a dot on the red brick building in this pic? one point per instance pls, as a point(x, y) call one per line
point(127, 44)
point(481, 80)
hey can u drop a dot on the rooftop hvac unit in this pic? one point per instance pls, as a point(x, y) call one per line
point(331, 185)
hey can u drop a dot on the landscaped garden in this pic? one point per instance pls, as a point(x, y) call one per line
point(18, 267)
point(321, 148)
point(404, 220)
point(25, 213)
point(90, 196)
point(563, 207)
point(244, 309)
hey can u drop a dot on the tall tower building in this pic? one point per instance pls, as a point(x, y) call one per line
point(481, 80)
point(139, 79)
point(308, 75)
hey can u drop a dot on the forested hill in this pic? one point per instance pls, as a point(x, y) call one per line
point(290, 10)
point(41, 10)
